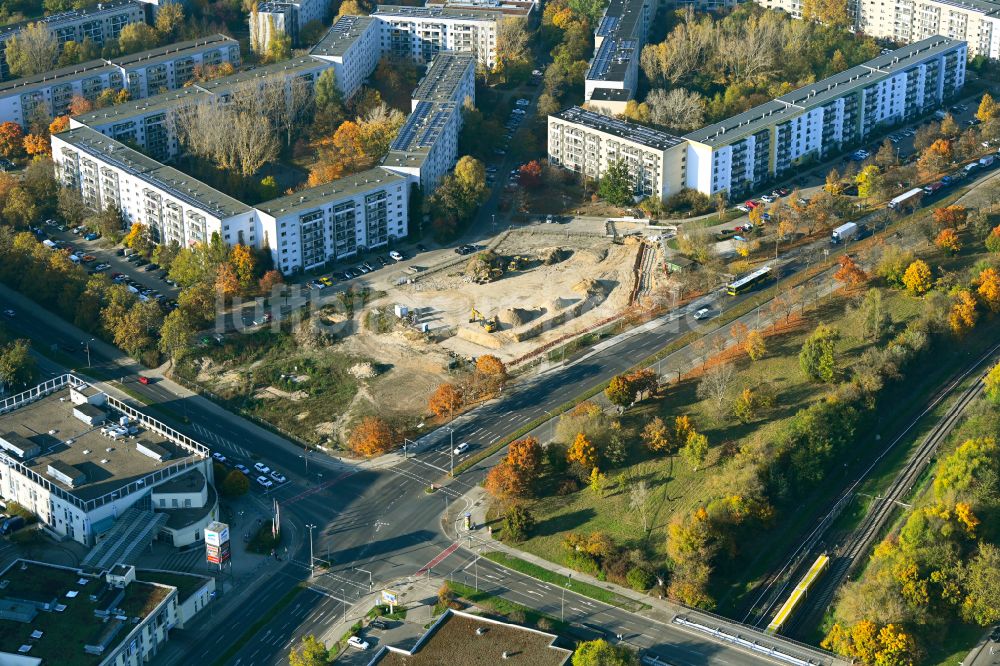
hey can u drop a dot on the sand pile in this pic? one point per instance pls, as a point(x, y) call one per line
point(554, 255)
point(589, 288)
point(362, 370)
point(519, 316)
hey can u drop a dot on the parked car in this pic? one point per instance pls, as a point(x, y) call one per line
point(9, 313)
point(357, 643)
point(218, 456)
point(92, 236)
point(11, 524)
point(395, 256)
point(144, 380)
point(278, 476)
point(379, 623)
point(327, 281)
point(265, 482)
point(261, 467)
point(243, 468)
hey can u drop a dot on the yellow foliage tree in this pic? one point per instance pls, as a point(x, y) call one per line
point(948, 241)
point(755, 346)
point(965, 516)
point(963, 313)
point(917, 278)
point(989, 288)
point(582, 451)
point(242, 260)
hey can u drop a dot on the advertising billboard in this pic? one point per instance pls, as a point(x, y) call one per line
point(216, 533)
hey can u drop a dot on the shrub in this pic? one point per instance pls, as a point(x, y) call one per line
point(583, 563)
point(640, 579)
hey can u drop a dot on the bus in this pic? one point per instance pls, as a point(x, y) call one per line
point(749, 281)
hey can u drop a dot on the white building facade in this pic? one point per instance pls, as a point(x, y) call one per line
point(420, 33)
point(613, 74)
point(354, 47)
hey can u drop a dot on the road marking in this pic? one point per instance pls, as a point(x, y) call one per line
point(494, 439)
point(533, 592)
point(438, 559)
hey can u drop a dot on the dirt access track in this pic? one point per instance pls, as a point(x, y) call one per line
point(567, 282)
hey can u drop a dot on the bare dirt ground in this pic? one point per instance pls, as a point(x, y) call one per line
point(572, 280)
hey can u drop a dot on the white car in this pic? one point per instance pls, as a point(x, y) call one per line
point(262, 468)
point(9, 313)
point(218, 456)
point(264, 481)
point(461, 448)
point(742, 209)
point(767, 198)
point(702, 313)
point(523, 102)
point(244, 469)
point(278, 477)
point(395, 256)
point(358, 643)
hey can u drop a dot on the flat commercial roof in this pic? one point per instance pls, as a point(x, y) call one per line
point(437, 11)
point(641, 134)
point(180, 185)
point(443, 78)
point(64, 634)
point(342, 188)
point(341, 36)
point(821, 92)
point(106, 470)
point(620, 27)
point(455, 634)
point(610, 95)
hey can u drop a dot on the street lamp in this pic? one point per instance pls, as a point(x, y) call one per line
point(305, 456)
point(343, 600)
point(562, 607)
point(312, 562)
point(371, 583)
point(451, 449)
point(88, 351)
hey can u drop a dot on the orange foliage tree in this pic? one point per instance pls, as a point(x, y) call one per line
point(226, 283)
point(582, 451)
point(79, 105)
point(492, 369)
point(242, 259)
point(531, 174)
point(515, 475)
point(270, 280)
point(445, 400)
point(36, 144)
point(951, 216)
point(989, 288)
point(11, 139)
point(850, 273)
point(948, 241)
point(934, 159)
point(963, 314)
point(371, 437)
point(60, 124)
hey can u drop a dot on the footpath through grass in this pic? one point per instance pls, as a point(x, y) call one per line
point(578, 586)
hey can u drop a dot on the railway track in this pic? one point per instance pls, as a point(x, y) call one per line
point(846, 555)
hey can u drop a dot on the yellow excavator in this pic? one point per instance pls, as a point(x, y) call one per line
point(489, 325)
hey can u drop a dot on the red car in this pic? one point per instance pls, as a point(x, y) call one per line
point(750, 204)
point(143, 379)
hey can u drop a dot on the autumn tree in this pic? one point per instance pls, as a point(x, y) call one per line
point(227, 285)
point(816, 358)
point(243, 262)
point(270, 280)
point(833, 184)
point(850, 273)
point(934, 159)
point(992, 241)
point(530, 174)
point(601, 653)
point(870, 182)
point(176, 334)
point(492, 369)
point(33, 50)
point(511, 45)
point(948, 241)
point(620, 391)
point(989, 288)
point(60, 124)
point(865, 641)
point(445, 400)
point(834, 13)
point(515, 475)
point(963, 313)
point(695, 450)
point(988, 109)
point(36, 144)
point(136, 37)
point(11, 139)
point(655, 435)
point(371, 437)
point(583, 452)
point(310, 651)
point(917, 278)
point(952, 216)
point(755, 346)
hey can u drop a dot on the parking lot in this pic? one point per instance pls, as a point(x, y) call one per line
point(261, 476)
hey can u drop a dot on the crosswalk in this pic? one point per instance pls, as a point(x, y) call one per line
point(210, 437)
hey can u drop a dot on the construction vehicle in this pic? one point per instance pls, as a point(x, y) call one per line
point(489, 325)
point(517, 263)
point(476, 316)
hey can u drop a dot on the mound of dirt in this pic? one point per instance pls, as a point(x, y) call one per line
point(518, 316)
point(589, 288)
point(593, 254)
point(557, 304)
point(554, 255)
point(362, 370)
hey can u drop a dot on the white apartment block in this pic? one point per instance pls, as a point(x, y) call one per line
point(310, 227)
point(283, 16)
point(426, 147)
point(421, 32)
point(354, 46)
point(613, 75)
point(100, 23)
point(589, 142)
point(148, 123)
point(142, 74)
point(976, 22)
point(847, 108)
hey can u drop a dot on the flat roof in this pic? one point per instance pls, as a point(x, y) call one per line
point(342, 188)
point(444, 76)
point(299, 64)
point(438, 11)
point(71, 15)
point(610, 95)
point(821, 92)
point(64, 634)
point(186, 584)
point(341, 36)
point(455, 634)
point(175, 50)
point(985, 6)
point(177, 183)
point(517, 8)
point(623, 129)
point(423, 127)
point(141, 107)
point(619, 27)
point(105, 470)
point(51, 77)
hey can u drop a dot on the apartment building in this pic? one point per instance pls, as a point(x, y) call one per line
point(335, 220)
point(283, 16)
point(426, 147)
point(421, 33)
point(354, 46)
point(142, 74)
point(512, 8)
point(847, 108)
point(976, 22)
point(100, 23)
point(148, 123)
point(618, 40)
point(588, 143)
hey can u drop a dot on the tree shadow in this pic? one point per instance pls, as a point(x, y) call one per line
point(563, 523)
